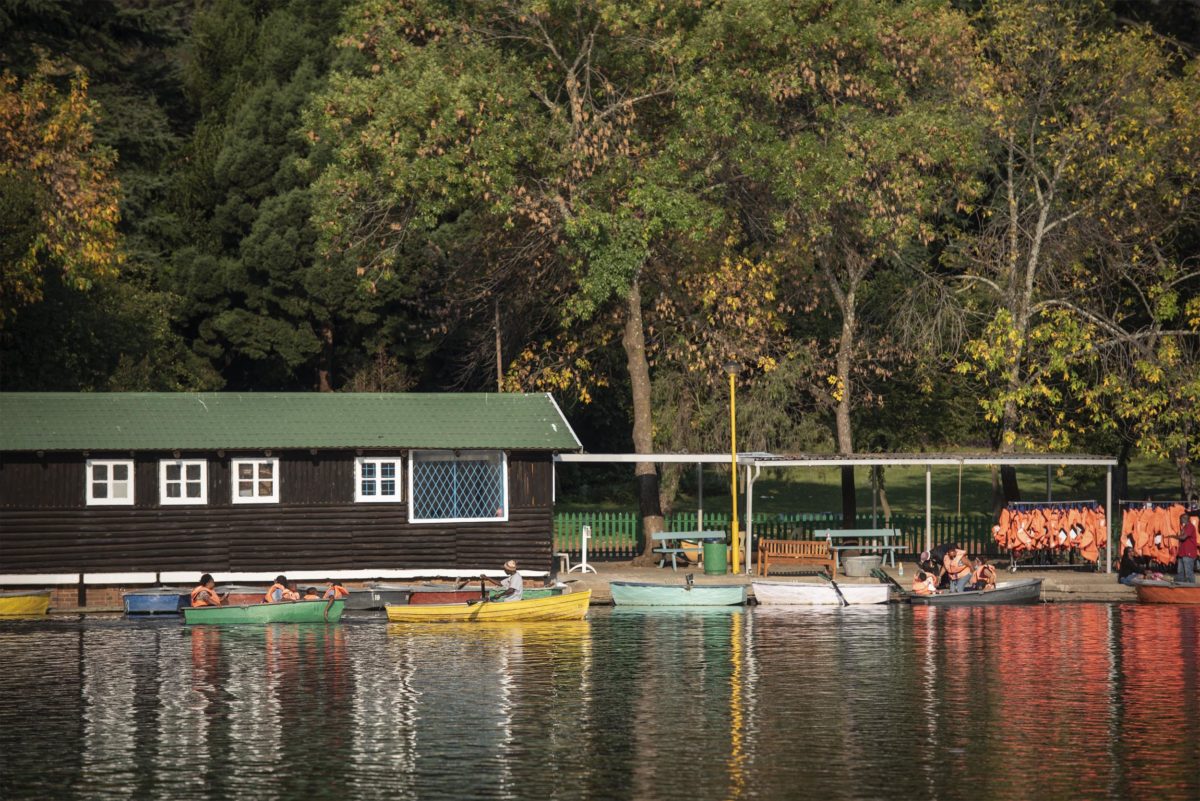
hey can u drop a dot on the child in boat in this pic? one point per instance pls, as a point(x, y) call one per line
point(924, 584)
point(311, 594)
point(983, 575)
point(275, 594)
point(291, 593)
point(333, 590)
point(205, 593)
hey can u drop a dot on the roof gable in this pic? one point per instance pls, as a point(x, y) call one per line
point(69, 421)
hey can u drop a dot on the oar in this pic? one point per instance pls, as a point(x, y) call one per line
point(881, 575)
point(836, 588)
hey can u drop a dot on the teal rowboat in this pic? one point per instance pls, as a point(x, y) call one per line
point(636, 593)
point(291, 612)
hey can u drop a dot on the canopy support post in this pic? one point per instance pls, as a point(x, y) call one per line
point(699, 496)
point(928, 507)
point(1108, 513)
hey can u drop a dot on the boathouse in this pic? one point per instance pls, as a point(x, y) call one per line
point(105, 486)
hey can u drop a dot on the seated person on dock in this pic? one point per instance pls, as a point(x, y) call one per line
point(311, 594)
point(333, 590)
point(924, 584)
point(1128, 571)
point(205, 593)
point(512, 584)
point(957, 568)
point(276, 593)
point(983, 575)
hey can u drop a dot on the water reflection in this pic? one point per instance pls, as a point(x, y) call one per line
point(1064, 701)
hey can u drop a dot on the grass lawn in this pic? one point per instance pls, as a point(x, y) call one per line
point(819, 489)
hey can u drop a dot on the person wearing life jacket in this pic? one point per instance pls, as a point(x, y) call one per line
point(983, 575)
point(333, 590)
point(311, 594)
point(277, 591)
point(932, 562)
point(292, 593)
point(924, 584)
point(957, 568)
point(205, 593)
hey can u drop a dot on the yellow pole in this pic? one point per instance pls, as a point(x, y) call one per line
point(733, 473)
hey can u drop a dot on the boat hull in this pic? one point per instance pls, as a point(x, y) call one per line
point(572, 606)
point(421, 597)
point(291, 612)
point(24, 603)
point(779, 593)
point(1166, 593)
point(158, 601)
point(1007, 593)
point(375, 598)
point(632, 593)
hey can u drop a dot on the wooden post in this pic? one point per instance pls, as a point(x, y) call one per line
point(928, 507)
point(1108, 512)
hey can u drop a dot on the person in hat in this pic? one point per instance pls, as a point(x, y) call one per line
point(512, 585)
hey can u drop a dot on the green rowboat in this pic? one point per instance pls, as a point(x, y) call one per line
point(291, 612)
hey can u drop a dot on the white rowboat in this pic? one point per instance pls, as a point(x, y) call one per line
point(781, 593)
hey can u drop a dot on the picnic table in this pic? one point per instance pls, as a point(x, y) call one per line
point(870, 540)
point(672, 544)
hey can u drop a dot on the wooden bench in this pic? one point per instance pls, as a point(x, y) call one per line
point(801, 553)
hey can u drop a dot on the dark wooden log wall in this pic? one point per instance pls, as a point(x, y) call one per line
point(46, 526)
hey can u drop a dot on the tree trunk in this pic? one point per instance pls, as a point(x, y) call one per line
point(883, 498)
point(845, 434)
point(633, 339)
point(1187, 480)
point(1121, 473)
point(499, 349)
point(325, 368)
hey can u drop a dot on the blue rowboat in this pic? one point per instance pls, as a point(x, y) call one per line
point(636, 593)
point(156, 600)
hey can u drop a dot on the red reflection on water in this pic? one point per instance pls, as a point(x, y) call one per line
point(1015, 693)
point(1159, 691)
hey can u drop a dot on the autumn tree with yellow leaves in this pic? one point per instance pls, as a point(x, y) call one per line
point(58, 197)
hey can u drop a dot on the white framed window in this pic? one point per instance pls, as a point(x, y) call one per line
point(457, 486)
point(110, 482)
point(182, 481)
point(377, 479)
point(255, 480)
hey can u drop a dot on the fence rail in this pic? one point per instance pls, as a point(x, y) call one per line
point(615, 535)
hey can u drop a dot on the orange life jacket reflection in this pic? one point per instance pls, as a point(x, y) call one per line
point(203, 596)
point(336, 591)
point(270, 598)
point(926, 587)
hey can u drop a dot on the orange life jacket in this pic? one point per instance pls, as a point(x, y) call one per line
point(926, 587)
point(956, 566)
point(203, 596)
point(336, 591)
point(984, 573)
point(283, 593)
point(311, 596)
point(291, 595)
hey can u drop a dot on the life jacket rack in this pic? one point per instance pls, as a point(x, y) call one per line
point(1152, 557)
point(1067, 556)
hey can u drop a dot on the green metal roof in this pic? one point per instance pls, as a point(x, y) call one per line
point(154, 421)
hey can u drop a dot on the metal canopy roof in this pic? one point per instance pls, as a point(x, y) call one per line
point(767, 460)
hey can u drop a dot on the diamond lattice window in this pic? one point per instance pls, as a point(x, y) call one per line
point(468, 485)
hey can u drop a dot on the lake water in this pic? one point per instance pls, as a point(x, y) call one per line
point(1071, 701)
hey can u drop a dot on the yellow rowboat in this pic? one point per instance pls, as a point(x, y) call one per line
point(556, 607)
point(24, 603)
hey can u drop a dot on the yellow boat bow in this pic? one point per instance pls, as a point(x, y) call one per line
point(572, 606)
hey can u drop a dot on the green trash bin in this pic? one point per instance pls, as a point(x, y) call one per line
point(714, 557)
